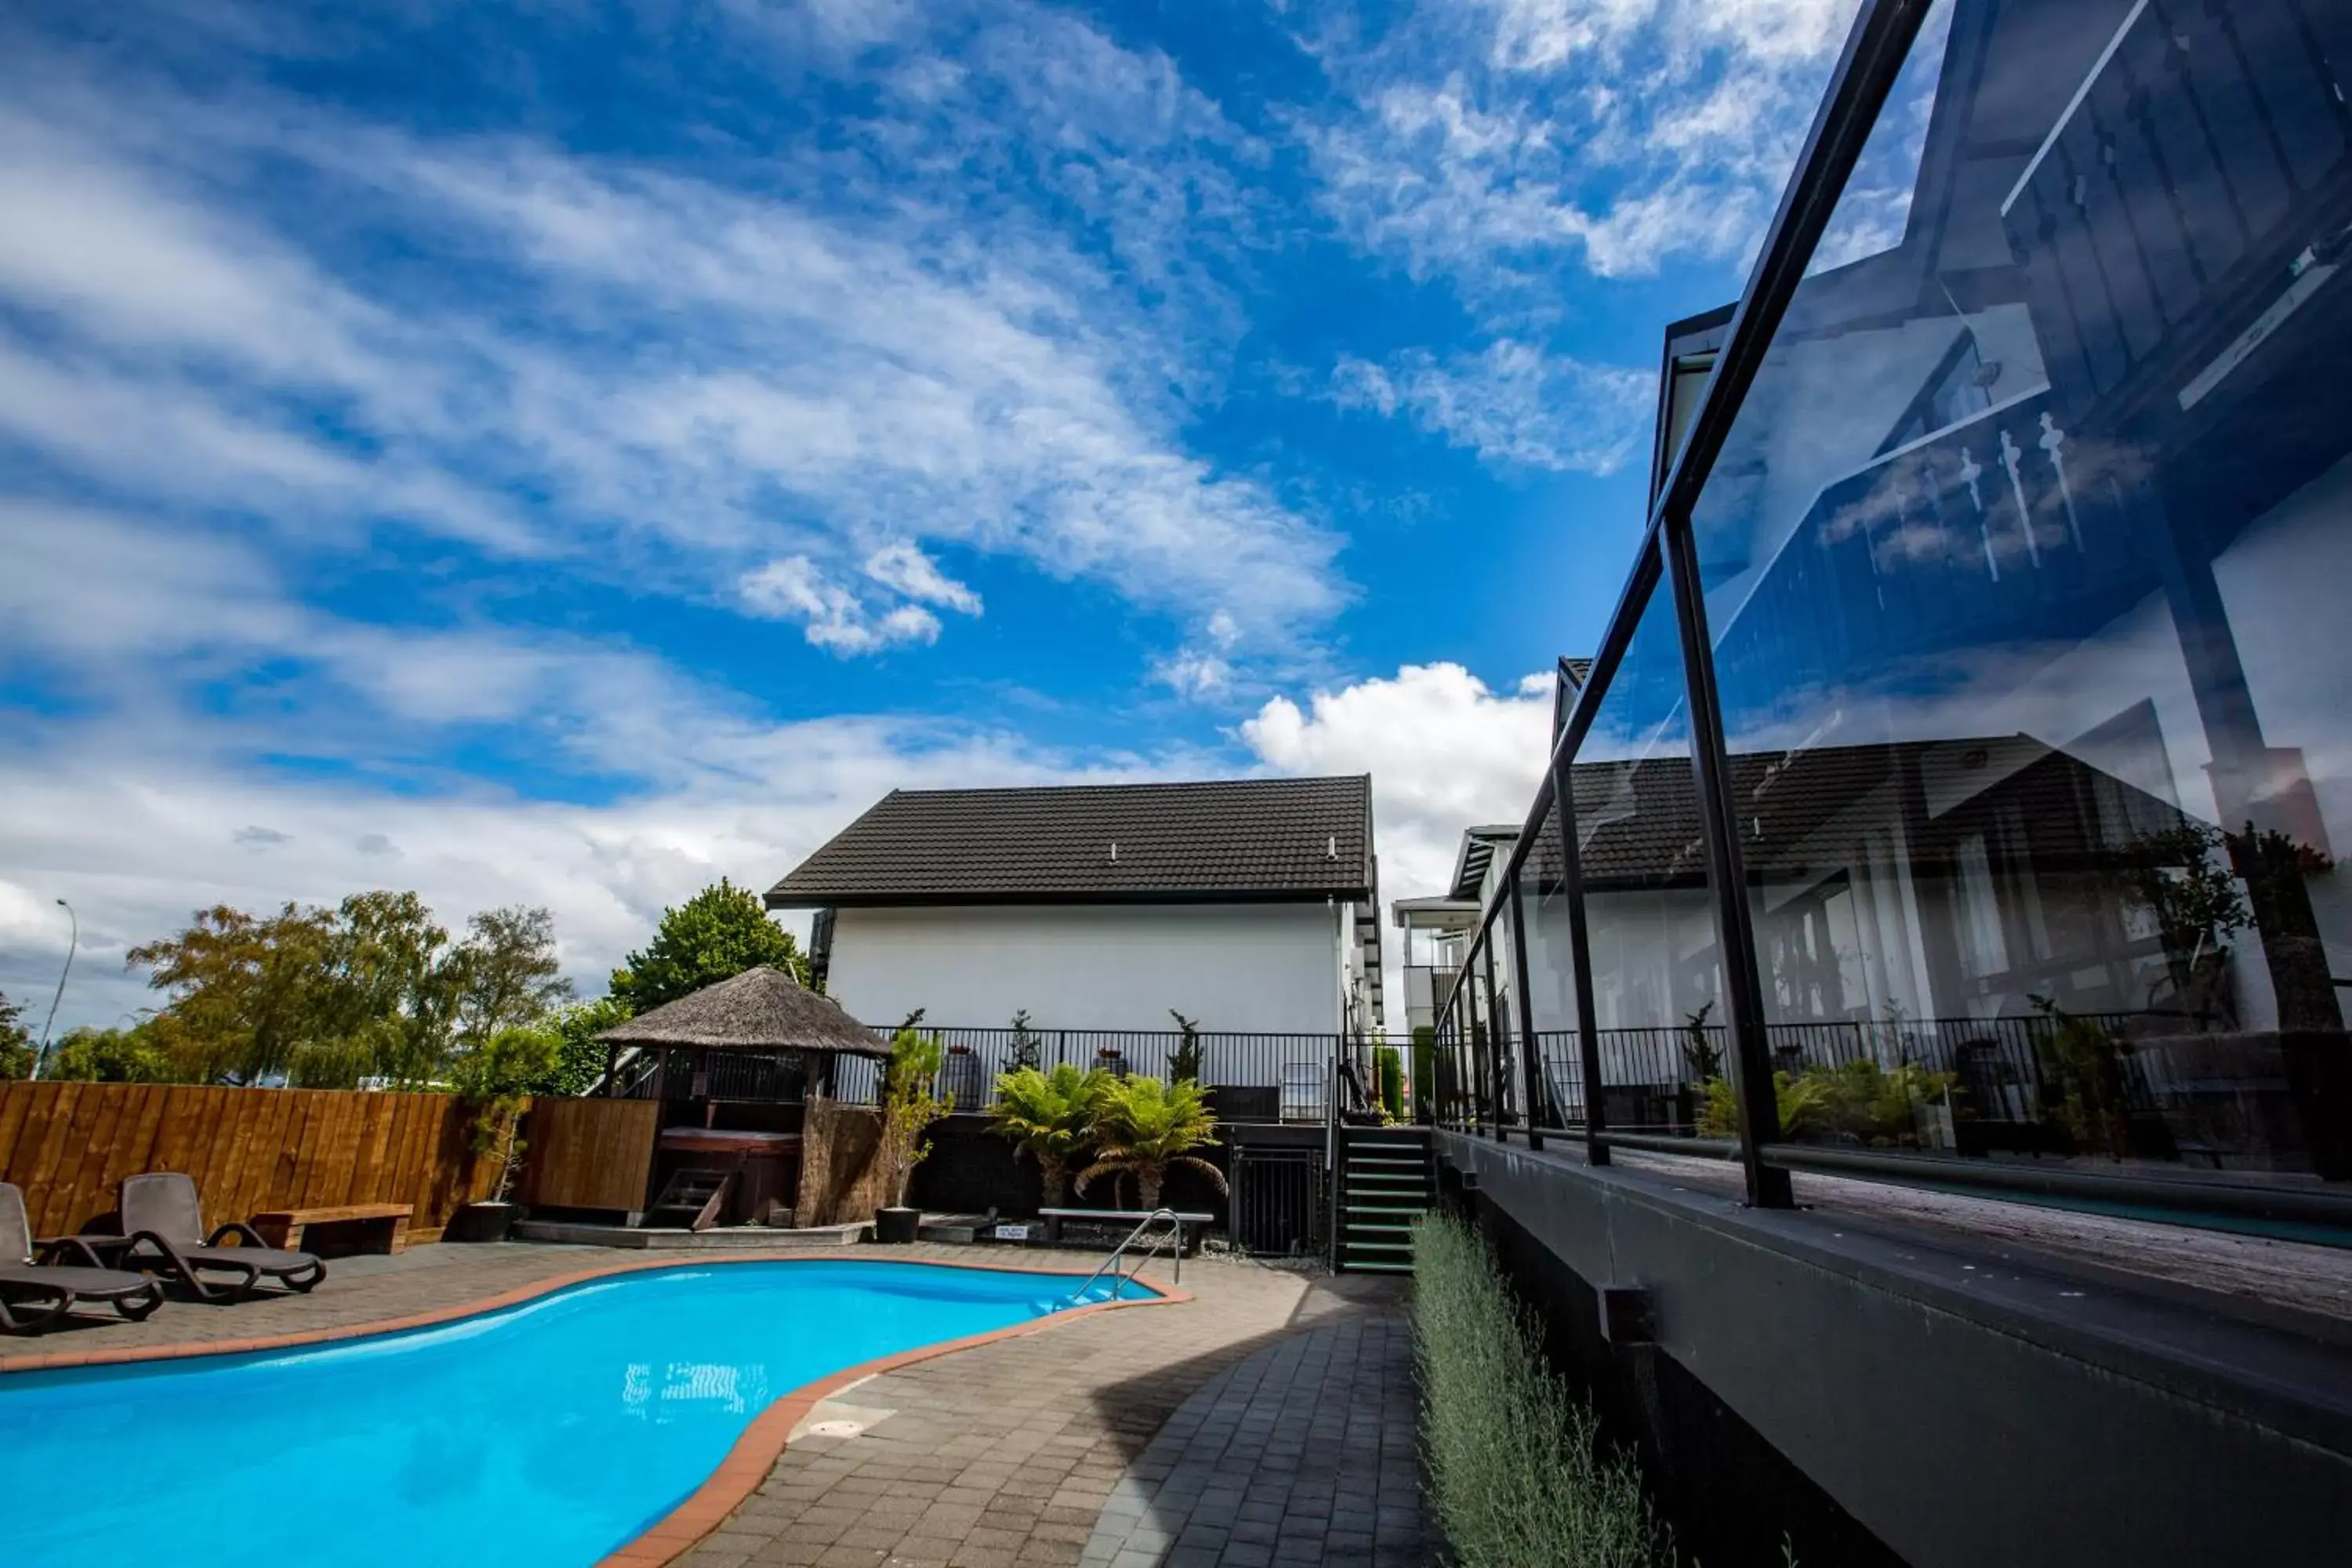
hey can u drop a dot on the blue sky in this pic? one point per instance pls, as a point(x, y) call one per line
point(563, 452)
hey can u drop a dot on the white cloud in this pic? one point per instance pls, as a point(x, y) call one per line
point(1192, 674)
point(910, 572)
point(1496, 144)
point(1444, 751)
point(851, 361)
point(1513, 403)
point(831, 616)
point(138, 834)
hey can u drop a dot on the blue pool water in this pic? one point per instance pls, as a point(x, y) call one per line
point(545, 1434)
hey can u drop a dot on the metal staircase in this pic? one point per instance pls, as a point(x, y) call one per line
point(1385, 1179)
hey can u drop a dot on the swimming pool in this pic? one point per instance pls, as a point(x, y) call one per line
point(548, 1432)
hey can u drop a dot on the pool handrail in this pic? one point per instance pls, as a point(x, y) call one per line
point(1110, 1264)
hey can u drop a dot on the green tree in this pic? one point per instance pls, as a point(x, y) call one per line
point(716, 935)
point(507, 974)
point(1050, 1116)
point(1026, 1053)
point(329, 998)
point(16, 1041)
point(247, 993)
point(388, 997)
point(1184, 1062)
point(494, 1078)
point(1144, 1129)
point(579, 1056)
point(139, 1054)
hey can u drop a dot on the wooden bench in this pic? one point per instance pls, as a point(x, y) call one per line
point(384, 1226)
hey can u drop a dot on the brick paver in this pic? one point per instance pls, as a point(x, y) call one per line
point(1006, 1456)
point(1301, 1454)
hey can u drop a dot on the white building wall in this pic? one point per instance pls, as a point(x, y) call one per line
point(1274, 968)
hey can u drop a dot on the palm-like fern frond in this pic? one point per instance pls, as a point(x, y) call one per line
point(1142, 1127)
point(1050, 1115)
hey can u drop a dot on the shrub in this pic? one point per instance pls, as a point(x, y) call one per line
point(1051, 1116)
point(1142, 1130)
point(1025, 1052)
point(1388, 1072)
point(1184, 1061)
point(910, 1106)
point(1425, 1072)
point(1857, 1102)
point(494, 1078)
point(1517, 1474)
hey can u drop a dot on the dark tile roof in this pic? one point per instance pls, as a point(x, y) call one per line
point(1477, 852)
point(760, 1009)
point(1639, 821)
point(1253, 840)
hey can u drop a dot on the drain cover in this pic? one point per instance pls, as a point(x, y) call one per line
point(836, 1428)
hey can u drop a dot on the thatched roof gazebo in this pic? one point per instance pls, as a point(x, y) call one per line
point(733, 1067)
point(760, 1038)
point(762, 1009)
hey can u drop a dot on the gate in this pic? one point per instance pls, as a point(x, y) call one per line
point(1277, 1206)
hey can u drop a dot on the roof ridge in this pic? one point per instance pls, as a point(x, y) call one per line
point(1277, 779)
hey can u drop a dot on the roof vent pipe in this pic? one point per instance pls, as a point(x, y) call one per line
point(1114, 851)
point(1331, 848)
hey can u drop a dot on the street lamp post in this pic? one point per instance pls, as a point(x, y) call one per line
point(73, 941)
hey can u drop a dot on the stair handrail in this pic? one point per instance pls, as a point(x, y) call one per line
point(1110, 1264)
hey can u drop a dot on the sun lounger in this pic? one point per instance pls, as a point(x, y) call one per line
point(165, 1225)
point(35, 1289)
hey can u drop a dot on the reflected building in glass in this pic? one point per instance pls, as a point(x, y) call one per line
point(2010, 596)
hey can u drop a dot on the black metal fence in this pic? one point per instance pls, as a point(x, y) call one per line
point(1994, 1073)
point(1277, 1204)
point(1251, 1077)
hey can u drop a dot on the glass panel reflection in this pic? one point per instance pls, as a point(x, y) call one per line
point(1656, 981)
point(1551, 975)
point(2015, 565)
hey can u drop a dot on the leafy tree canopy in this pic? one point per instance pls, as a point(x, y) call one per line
point(716, 935)
point(579, 1056)
point(508, 973)
point(139, 1054)
point(373, 989)
point(16, 1041)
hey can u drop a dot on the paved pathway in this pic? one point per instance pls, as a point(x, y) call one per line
point(1024, 1452)
point(1302, 1454)
point(1008, 1455)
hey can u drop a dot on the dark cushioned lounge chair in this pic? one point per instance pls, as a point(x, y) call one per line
point(35, 1293)
point(166, 1227)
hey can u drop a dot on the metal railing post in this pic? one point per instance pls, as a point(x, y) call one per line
point(1759, 1113)
point(1498, 1048)
point(1530, 1055)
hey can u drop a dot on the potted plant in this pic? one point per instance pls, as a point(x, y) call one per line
point(494, 1080)
point(1025, 1045)
point(1144, 1131)
point(1050, 1116)
point(908, 1109)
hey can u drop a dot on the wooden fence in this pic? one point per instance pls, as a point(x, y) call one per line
point(69, 1146)
point(589, 1153)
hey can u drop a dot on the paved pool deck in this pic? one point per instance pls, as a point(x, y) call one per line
point(1266, 1420)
